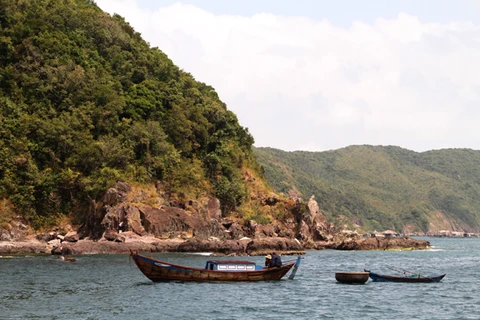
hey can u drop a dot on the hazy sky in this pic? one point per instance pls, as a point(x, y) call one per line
point(319, 75)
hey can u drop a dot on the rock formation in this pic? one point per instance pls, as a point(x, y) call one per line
point(125, 220)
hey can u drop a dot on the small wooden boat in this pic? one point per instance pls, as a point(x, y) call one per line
point(406, 278)
point(352, 277)
point(215, 270)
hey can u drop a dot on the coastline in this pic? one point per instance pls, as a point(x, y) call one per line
point(241, 247)
point(151, 244)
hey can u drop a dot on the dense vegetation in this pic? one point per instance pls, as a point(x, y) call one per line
point(84, 102)
point(384, 187)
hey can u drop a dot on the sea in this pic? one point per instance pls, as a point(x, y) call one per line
point(111, 287)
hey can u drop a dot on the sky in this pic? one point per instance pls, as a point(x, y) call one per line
point(317, 75)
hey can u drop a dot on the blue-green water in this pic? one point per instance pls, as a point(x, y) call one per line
point(111, 287)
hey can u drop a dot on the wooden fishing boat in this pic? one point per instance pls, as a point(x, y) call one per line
point(352, 277)
point(406, 278)
point(215, 270)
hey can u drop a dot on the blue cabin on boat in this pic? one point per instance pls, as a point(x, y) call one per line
point(231, 265)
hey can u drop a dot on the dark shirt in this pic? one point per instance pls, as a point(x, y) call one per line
point(276, 261)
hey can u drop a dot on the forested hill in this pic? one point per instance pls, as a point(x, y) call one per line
point(86, 102)
point(373, 187)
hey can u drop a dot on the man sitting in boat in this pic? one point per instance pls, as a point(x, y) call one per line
point(276, 260)
point(272, 261)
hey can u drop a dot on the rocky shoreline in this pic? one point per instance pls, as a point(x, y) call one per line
point(242, 247)
point(123, 221)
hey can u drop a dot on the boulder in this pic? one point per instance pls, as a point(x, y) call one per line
point(5, 235)
point(116, 195)
point(123, 217)
point(23, 247)
point(213, 208)
point(262, 231)
point(304, 232)
point(72, 237)
point(112, 235)
point(134, 221)
point(111, 197)
point(168, 222)
point(268, 245)
point(236, 231)
point(286, 230)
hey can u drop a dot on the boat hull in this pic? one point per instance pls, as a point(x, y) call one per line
point(158, 271)
point(352, 277)
point(421, 279)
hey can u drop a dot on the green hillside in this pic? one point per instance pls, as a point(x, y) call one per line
point(85, 102)
point(377, 188)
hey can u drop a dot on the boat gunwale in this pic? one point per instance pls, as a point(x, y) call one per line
point(353, 273)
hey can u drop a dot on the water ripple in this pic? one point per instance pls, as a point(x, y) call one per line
point(111, 287)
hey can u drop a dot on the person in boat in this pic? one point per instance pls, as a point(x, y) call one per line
point(268, 259)
point(274, 261)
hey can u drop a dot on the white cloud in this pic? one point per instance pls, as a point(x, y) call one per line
point(299, 84)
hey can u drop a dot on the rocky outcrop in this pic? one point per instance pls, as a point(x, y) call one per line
point(313, 225)
point(17, 228)
point(123, 220)
point(168, 223)
point(319, 228)
point(265, 246)
point(122, 217)
point(71, 237)
point(374, 243)
point(213, 245)
point(185, 220)
point(213, 209)
point(25, 246)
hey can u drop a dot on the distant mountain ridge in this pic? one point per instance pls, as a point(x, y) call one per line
point(383, 187)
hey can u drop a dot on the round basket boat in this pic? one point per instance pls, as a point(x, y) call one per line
point(352, 277)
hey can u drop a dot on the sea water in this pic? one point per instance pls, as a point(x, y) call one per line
point(111, 287)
